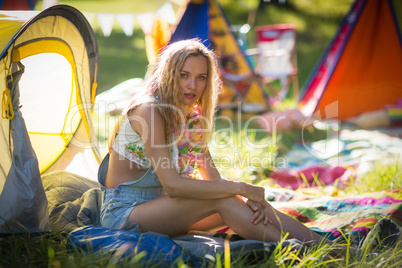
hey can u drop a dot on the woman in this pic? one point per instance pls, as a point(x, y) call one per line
point(149, 179)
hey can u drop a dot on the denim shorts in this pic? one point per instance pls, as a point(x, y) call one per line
point(119, 202)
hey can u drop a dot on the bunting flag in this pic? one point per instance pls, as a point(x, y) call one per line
point(106, 21)
point(126, 22)
point(167, 12)
point(146, 20)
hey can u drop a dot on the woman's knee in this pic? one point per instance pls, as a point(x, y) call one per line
point(229, 203)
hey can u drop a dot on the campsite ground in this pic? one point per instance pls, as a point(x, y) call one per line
point(53, 250)
point(122, 58)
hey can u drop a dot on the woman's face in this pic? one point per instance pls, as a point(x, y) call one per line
point(193, 79)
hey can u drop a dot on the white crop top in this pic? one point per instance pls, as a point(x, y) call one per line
point(129, 144)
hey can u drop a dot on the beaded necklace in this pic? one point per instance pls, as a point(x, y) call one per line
point(190, 157)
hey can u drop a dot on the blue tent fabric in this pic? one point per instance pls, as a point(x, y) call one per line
point(187, 29)
point(123, 244)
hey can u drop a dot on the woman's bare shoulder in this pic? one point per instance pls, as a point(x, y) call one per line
point(144, 110)
point(144, 116)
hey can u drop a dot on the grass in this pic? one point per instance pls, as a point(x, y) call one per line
point(124, 57)
point(52, 249)
point(120, 58)
point(281, 258)
point(379, 178)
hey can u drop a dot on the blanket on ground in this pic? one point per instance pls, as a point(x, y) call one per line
point(74, 204)
point(344, 154)
point(343, 218)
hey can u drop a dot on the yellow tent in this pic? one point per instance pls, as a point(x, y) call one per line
point(49, 71)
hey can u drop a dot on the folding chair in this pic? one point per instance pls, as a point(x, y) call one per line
point(276, 59)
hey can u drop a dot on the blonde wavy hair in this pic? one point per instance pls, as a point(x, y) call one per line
point(164, 84)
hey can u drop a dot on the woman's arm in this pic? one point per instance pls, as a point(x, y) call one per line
point(147, 121)
point(209, 172)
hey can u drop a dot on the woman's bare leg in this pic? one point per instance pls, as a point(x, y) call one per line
point(211, 223)
point(293, 227)
point(280, 220)
point(172, 216)
point(301, 232)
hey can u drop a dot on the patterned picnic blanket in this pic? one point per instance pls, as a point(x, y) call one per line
point(339, 218)
point(345, 154)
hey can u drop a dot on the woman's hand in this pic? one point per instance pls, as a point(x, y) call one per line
point(259, 214)
point(255, 196)
point(255, 193)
